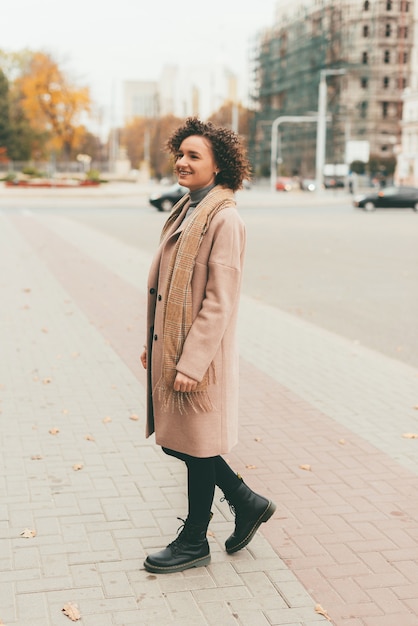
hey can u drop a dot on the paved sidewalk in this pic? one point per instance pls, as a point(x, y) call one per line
point(321, 431)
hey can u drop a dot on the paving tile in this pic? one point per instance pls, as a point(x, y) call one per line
point(344, 533)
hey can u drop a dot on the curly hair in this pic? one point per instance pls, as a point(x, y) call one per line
point(228, 150)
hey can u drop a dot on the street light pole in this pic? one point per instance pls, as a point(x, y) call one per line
point(321, 128)
point(274, 140)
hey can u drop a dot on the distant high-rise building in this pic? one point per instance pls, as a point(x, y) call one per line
point(190, 91)
point(141, 99)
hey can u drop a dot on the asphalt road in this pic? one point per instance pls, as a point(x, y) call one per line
point(314, 256)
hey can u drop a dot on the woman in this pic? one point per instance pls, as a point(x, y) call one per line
point(191, 354)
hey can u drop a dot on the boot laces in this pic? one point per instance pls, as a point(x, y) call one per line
point(176, 544)
point(231, 506)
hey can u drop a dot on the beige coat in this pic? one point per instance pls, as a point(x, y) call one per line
point(216, 283)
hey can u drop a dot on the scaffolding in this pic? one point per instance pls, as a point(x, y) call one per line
point(369, 40)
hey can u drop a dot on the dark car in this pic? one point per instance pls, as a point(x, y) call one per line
point(165, 199)
point(390, 197)
point(334, 183)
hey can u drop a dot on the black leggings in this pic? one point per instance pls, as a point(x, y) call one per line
point(202, 476)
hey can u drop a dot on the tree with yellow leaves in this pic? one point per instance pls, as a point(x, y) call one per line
point(52, 104)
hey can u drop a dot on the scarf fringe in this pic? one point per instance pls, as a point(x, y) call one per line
point(184, 401)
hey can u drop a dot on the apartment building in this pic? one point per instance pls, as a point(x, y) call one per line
point(372, 41)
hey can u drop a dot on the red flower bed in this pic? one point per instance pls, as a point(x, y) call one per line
point(39, 182)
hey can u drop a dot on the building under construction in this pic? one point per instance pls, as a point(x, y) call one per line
point(371, 40)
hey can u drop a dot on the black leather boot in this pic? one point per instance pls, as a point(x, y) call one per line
point(250, 510)
point(190, 549)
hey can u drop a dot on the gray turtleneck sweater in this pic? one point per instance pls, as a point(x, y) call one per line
point(196, 197)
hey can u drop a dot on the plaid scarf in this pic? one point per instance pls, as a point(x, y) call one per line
point(178, 304)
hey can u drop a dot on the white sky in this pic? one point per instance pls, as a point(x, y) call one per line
point(101, 44)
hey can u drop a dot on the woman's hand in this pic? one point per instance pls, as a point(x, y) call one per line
point(143, 358)
point(184, 383)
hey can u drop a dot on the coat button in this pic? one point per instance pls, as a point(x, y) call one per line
point(152, 290)
point(155, 337)
point(160, 297)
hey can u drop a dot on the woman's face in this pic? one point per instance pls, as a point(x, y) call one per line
point(195, 163)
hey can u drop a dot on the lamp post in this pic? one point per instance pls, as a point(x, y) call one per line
point(321, 129)
point(295, 119)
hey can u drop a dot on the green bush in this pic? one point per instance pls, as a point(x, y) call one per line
point(33, 172)
point(93, 175)
point(9, 177)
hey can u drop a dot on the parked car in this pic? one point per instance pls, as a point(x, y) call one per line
point(334, 183)
point(165, 199)
point(390, 197)
point(308, 184)
point(284, 183)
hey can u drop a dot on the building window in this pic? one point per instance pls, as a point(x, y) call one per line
point(366, 5)
point(364, 83)
point(384, 148)
point(387, 30)
point(405, 6)
point(363, 109)
point(365, 31)
point(385, 109)
point(385, 82)
point(386, 57)
point(365, 58)
point(388, 5)
point(404, 57)
point(403, 32)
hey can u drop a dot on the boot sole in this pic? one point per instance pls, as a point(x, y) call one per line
point(264, 517)
point(156, 569)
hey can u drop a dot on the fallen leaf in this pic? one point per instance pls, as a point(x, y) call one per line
point(134, 417)
point(251, 466)
point(78, 466)
point(210, 534)
point(416, 407)
point(321, 611)
point(410, 435)
point(27, 290)
point(342, 442)
point(257, 439)
point(36, 457)
point(89, 438)
point(46, 381)
point(54, 431)
point(44, 330)
point(106, 419)
point(71, 611)
point(65, 411)
point(75, 355)
point(307, 468)
point(28, 533)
